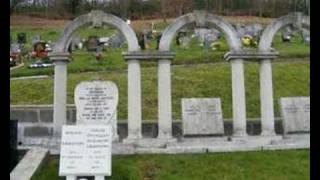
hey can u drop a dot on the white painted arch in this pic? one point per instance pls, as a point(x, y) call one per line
point(297, 19)
point(201, 18)
point(96, 17)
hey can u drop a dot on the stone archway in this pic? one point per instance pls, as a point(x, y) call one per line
point(60, 57)
point(266, 86)
point(202, 19)
point(296, 19)
point(97, 18)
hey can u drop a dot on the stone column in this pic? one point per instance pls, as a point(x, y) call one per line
point(266, 98)
point(238, 98)
point(60, 61)
point(164, 100)
point(134, 100)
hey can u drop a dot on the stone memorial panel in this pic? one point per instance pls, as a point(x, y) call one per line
point(202, 116)
point(85, 150)
point(96, 103)
point(295, 113)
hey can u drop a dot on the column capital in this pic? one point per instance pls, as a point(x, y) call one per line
point(60, 56)
point(251, 55)
point(148, 55)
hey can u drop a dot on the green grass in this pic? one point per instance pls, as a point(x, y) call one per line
point(266, 165)
point(208, 80)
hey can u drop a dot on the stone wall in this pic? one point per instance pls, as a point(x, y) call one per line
point(36, 123)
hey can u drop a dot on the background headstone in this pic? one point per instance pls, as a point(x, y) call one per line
point(22, 38)
point(202, 116)
point(92, 43)
point(85, 151)
point(96, 103)
point(35, 39)
point(295, 113)
point(13, 143)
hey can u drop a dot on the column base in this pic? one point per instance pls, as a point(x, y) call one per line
point(115, 138)
point(268, 133)
point(239, 134)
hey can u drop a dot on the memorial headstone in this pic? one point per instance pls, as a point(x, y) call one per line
point(92, 43)
point(85, 151)
point(13, 144)
point(36, 39)
point(305, 36)
point(22, 38)
point(185, 42)
point(96, 103)
point(295, 113)
point(202, 116)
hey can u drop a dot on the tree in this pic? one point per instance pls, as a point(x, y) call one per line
point(14, 4)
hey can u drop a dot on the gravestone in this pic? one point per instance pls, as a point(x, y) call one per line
point(185, 42)
point(92, 43)
point(202, 116)
point(22, 38)
point(13, 144)
point(35, 39)
point(85, 151)
point(96, 103)
point(305, 36)
point(295, 113)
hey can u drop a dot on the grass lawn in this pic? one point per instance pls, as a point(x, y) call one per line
point(263, 165)
point(206, 80)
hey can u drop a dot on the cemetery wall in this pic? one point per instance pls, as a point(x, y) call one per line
point(36, 121)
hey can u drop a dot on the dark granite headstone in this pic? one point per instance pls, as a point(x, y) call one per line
point(22, 38)
point(92, 43)
point(13, 144)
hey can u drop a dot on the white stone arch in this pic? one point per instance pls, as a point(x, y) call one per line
point(296, 19)
point(201, 18)
point(60, 57)
point(266, 86)
point(96, 18)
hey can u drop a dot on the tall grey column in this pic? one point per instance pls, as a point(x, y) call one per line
point(134, 100)
point(60, 61)
point(266, 98)
point(164, 100)
point(238, 98)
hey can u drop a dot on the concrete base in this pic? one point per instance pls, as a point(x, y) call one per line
point(29, 164)
point(149, 142)
point(201, 145)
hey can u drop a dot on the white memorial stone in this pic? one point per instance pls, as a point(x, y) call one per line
point(85, 150)
point(202, 116)
point(96, 103)
point(295, 113)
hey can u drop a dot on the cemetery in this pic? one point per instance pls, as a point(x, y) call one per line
point(123, 103)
